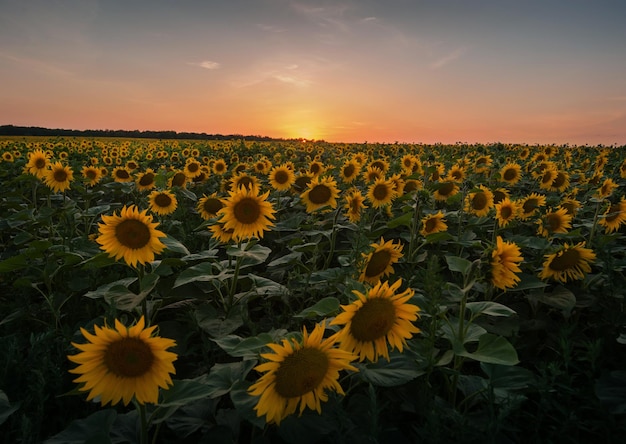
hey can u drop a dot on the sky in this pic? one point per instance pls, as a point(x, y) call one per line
point(354, 71)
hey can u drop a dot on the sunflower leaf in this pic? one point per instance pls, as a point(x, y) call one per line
point(325, 307)
point(399, 370)
point(494, 350)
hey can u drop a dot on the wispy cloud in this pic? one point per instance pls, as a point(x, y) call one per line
point(206, 64)
point(446, 59)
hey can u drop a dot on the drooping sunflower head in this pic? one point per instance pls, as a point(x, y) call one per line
point(320, 193)
point(379, 318)
point(298, 373)
point(58, 177)
point(247, 213)
point(505, 260)
point(506, 211)
point(561, 181)
point(568, 263)
point(433, 223)
point(607, 188)
point(614, 216)
point(379, 262)
point(162, 202)
point(119, 364)
point(547, 178)
point(131, 236)
point(354, 205)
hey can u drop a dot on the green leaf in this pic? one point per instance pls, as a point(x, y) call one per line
point(459, 264)
point(95, 429)
point(325, 307)
point(14, 263)
point(494, 350)
point(399, 370)
point(247, 348)
point(213, 324)
point(438, 237)
point(403, 220)
point(6, 409)
point(286, 259)
point(202, 272)
point(257, 254)
point(105, 289)
point(222, 377)
point(173, 245)
point(489, 308)
point(184, 391)
point(560, 298)
point(527, 282)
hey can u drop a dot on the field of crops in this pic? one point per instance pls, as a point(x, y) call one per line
point(308, 292)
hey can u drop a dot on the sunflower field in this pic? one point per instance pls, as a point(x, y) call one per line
point(171, 291)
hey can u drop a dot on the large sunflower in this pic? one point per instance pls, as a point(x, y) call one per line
point(298, 374)
point(320, 193)
point(132, 236)
point(162, 202)
point(119, 364)
point(377, 318)
point(568, 263)
point(613, 217)
point(38, 162)
point(379, 262)
point(282, 178)
point(58, 177)
point(246, 213)
point(505, 260)
point(556, 221)
point(433, 223)
point(560, 182)
point(547, 177)
point(381, 192)
point(192, 168)
point(146, 180)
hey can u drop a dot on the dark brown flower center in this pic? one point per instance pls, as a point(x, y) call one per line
point(301, 372)
point(378, 263)
point(373, 320)
point(163, 200)
point(122, 174)
point(178, 180)
point(128, 357)
point(40, 163)
point(565, 260)
point(281, 177)
point(348, 170)
point(60, 175)
point(380, 192)
point(446, 189)
point(506, 212)
point(132, 233)
point(146, 179)
point(510, 174)
point(212, 205)
point(320, 194)
point(247, 211)
point(479, 201)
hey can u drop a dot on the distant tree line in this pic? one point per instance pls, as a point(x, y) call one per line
point(11, 130)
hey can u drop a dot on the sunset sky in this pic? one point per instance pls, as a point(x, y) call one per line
point(534, 71)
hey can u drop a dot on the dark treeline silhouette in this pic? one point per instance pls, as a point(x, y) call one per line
point(11, 130)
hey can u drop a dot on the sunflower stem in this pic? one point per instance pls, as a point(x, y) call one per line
point(333, 238)
point(143, 431)
point(233, 285)
point(414, 226)
point(595, 223)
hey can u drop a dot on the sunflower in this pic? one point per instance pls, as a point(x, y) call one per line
point(121, 363)
point(220, 233)
point(557, 221)
point(482, 164)
point(622, 170)
point(92, 174)
point(444, 190)
point(298, 374)
point(219, 167)
point(282, 178)
point(132, 235)
point(302, 182)
point(208, 206)
point(613, 217)
point(547, 178)
point(246, 213)
point(58, 177)
point(456, 174)
point(571, 205)
point(178, 179)
point(378, 318)
point(499, 194)
point(354, 205)
point(505, 260)
point(568, 263)
point(121, 174)
point(560, 182)
point(244, 180)
point(511, 173)
point(320, 193)
point(349, 171)
point(316, 168)
point(530, 204)
point(162, 202)
point(146, 180)
point(371, 174)
point(407, 162)
point(380, 164)
point(192, 168)
point(38, 163)
point(379, 262)
point(433, 223)
point(381, 192)
point(8, 157)
point(412, 186)
point(607, 188)
point(506, 211)
point(479, 202)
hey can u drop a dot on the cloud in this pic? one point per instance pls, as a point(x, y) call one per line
point(443, 61)
point(206, 64)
